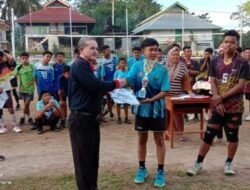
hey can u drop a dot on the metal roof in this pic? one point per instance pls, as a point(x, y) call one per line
point(171, 20)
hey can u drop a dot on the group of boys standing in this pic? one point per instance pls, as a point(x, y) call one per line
point(52, 88)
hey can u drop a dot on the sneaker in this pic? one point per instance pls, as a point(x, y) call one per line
point(141, 175)
point(30, 121)
point(3, 130)
point(248, 118)
point(39, 131)
point(196, 169)
point(17, 129)
point(127, 121)
point(228, 169)
point(2, 158)
point(119, 121)
point(34, 127)
point(22, 121)
point(62, 124)
point(55, 129)
point(111, 116)
point(18, 107)
point(160, 179)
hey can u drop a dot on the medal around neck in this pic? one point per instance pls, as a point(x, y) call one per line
point(148, 66)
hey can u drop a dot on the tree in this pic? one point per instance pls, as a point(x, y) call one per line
point(21, 7)
point(101, 11)
point(204, 16)
point(242, 14)
point(246, 40)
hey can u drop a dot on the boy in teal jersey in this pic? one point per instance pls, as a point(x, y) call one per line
point(136, 51)
point(150, 82)
point(121, 73)
point(48, 112)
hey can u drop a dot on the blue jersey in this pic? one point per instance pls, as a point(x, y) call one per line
point(120, 74)
point(158, 81)
point(132, 61)
point(108, 68)
point(58, 71)
point(45, 78)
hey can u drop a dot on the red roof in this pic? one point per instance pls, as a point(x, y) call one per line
point(55, 15)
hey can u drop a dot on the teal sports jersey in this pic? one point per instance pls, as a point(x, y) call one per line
point(120, 74)
point(40, 105)
point(158, 80)
point(132, 61)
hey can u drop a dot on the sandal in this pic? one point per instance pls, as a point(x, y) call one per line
point(2, 158)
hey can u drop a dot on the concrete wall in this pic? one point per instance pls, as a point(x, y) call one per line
point(203, 39)
point(2, 35)
point(53, 41)
point(163, 40)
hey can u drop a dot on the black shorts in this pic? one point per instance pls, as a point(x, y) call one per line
point(26, 96)
point(14, 82)
point(228, 118)
point(247, 95)
point(144, 124)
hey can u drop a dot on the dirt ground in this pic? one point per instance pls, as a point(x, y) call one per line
point(29, 154)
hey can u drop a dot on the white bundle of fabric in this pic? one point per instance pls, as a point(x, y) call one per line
point(124, 96)
point(202, 85)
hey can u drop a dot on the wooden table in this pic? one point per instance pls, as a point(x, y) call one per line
point(184, 106)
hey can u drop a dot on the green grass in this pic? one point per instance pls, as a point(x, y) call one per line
point(110, 180)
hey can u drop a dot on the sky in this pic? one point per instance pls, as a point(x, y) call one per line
point(219, 10)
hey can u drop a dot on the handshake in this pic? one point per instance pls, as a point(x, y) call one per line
point(120, 83)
